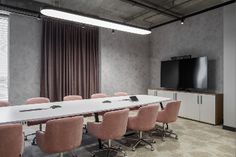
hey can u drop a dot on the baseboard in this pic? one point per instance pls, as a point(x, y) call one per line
point(229, 128)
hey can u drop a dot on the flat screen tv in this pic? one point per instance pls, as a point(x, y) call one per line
point(184, 74)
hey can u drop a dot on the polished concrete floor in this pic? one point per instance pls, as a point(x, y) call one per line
point(195, 140)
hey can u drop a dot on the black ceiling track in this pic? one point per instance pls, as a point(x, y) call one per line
point(195, 13)
point(151, 8)
point(18, 10)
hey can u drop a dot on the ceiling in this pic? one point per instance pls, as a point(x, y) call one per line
point(142, 13)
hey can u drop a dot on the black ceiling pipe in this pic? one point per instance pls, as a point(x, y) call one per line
point(151, 8)
point(18, 10)
point(196, 13)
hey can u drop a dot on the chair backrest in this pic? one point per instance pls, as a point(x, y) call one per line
point(63, 134)
point(72, 97)
point(146, 117)
point(172, 110)
point(120, 94)
point(115, 123)
point(11, 140)
point(37, 100)
point(98, 95)
point(4, 103)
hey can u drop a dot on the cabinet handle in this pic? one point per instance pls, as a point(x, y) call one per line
point(197, 99)
point(201, 99)
point(175, 96)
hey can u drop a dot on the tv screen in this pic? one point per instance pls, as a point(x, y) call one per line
point(184, 73)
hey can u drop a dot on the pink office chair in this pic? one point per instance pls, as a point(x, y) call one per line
point(61, 135)
point(4, 103)
point(77, 97)
point(72, 97)
point(99, 95)
point(36, 100)
point(168, 115)
point(120, 94)
point(11, 140)
point(144, 121)
point(112, 127)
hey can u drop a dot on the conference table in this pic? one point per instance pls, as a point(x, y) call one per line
point(25, 113)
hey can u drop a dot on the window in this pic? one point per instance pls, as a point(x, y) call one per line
point(3, 57)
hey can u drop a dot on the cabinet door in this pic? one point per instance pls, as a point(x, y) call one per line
point(167, 94)
point(207, 108)
point(189, 105)
point(152, 92)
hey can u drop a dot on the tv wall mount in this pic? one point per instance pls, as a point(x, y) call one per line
point(181, 57)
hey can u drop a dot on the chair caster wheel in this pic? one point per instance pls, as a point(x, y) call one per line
point(93, 155)
point(154, 141)
point(133, 149)
point(176, 137)
point(152, 149)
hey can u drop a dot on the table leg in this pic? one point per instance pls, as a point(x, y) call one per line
point(97, 120)
point(162, 108)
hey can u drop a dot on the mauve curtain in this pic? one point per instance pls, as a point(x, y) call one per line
point(70, 61)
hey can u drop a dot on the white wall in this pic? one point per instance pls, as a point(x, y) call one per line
point(230, 66)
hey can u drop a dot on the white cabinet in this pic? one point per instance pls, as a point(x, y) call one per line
point(207, 108)
point(152, 92)
point(189, 107)
point(169, 94)
point(202, 107)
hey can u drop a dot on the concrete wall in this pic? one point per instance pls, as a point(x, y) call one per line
point(230, 66)
point(201, 35)
point(24, 58)
point(124, 62)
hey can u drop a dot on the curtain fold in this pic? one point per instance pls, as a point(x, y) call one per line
point(70, 61)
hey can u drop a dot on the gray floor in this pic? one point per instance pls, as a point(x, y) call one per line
point(195, 140)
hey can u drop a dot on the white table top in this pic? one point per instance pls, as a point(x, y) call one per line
point(12, 114)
